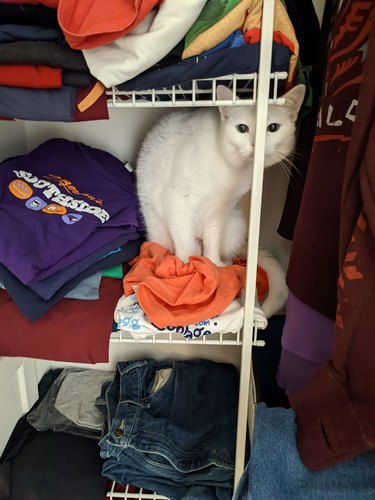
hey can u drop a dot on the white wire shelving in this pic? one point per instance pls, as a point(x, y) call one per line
point(141, 494)
point(218, 339)
point(201, 93)
point(259, 89)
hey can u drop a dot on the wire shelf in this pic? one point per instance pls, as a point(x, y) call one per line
point(225, 339)
point(198, 93)
point(128, 495)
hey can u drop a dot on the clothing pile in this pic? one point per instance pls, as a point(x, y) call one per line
point(58, 56)
point(41, 77)
point(197, 298)
point(167, 427)
point(53, 450)
point(223, 40)
point(171, 427)
point(68, 213)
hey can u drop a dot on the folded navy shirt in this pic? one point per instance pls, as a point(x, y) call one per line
point(47, 287)
point(37, 104)
point(239, 60)
point(17, 32)
point(34, 307)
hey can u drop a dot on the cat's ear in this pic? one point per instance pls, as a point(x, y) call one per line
point(294, 99)
point(224, 94)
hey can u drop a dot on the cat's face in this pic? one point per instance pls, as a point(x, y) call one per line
point(237, 133)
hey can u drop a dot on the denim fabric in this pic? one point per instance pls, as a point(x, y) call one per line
point(178, 441)
point(69, 405)
point(275, 471)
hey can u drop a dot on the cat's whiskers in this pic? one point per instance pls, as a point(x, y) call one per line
point(286, 166)
point(287, 162)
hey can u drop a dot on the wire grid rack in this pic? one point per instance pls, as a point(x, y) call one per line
point(220, 339)
point(199, 93)
point(128, 494)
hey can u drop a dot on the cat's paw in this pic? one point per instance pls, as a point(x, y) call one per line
point(217, 262)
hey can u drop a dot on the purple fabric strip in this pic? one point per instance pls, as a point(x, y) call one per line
point(307, 343)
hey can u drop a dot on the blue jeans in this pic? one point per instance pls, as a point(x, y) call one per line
point(275, 471)
point(179, 440)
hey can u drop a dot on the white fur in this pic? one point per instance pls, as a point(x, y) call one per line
point(278, 291)
point(193, 168)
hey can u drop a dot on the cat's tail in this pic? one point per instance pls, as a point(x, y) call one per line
point(278, 291)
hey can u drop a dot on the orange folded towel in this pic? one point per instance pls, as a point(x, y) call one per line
point(172, 293)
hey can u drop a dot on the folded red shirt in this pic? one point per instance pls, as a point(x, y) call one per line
point(73, 330)
point(35, 77)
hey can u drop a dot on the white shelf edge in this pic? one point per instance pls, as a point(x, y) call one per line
point(135, 99)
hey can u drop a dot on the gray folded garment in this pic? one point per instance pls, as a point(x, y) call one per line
point(69, 405)
point(42, 53)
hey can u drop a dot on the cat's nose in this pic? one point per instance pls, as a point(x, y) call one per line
point(251, 149)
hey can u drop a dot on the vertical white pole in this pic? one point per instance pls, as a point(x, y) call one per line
point(253, 237)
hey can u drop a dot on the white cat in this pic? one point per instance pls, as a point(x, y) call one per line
point(195, 165)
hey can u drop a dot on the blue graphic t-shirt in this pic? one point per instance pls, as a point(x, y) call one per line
point(59, 204)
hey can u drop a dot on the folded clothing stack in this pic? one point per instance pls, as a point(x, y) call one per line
point(70, 463)
point(67, 212)
point(41, 77)
point(172, 427)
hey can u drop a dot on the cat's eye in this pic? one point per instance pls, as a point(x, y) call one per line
point(242, 128)
point(273, 127)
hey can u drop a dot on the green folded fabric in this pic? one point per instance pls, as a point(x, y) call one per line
point(113, 272)
point(212, 12)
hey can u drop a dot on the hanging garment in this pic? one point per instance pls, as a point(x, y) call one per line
point(74, 330)
point(155, 439)
point(66, 199)
point(136, 52)
point(172, 293)
point(313, 53)
point(336, 408)
point(275, 470)
point(313, 268)
point(307, 344)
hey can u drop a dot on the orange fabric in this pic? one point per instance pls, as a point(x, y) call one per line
point(91, 23)
point(282, 25)
point(91, 98)
point(172, 293)
point(253, 36)
point(36, 77)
